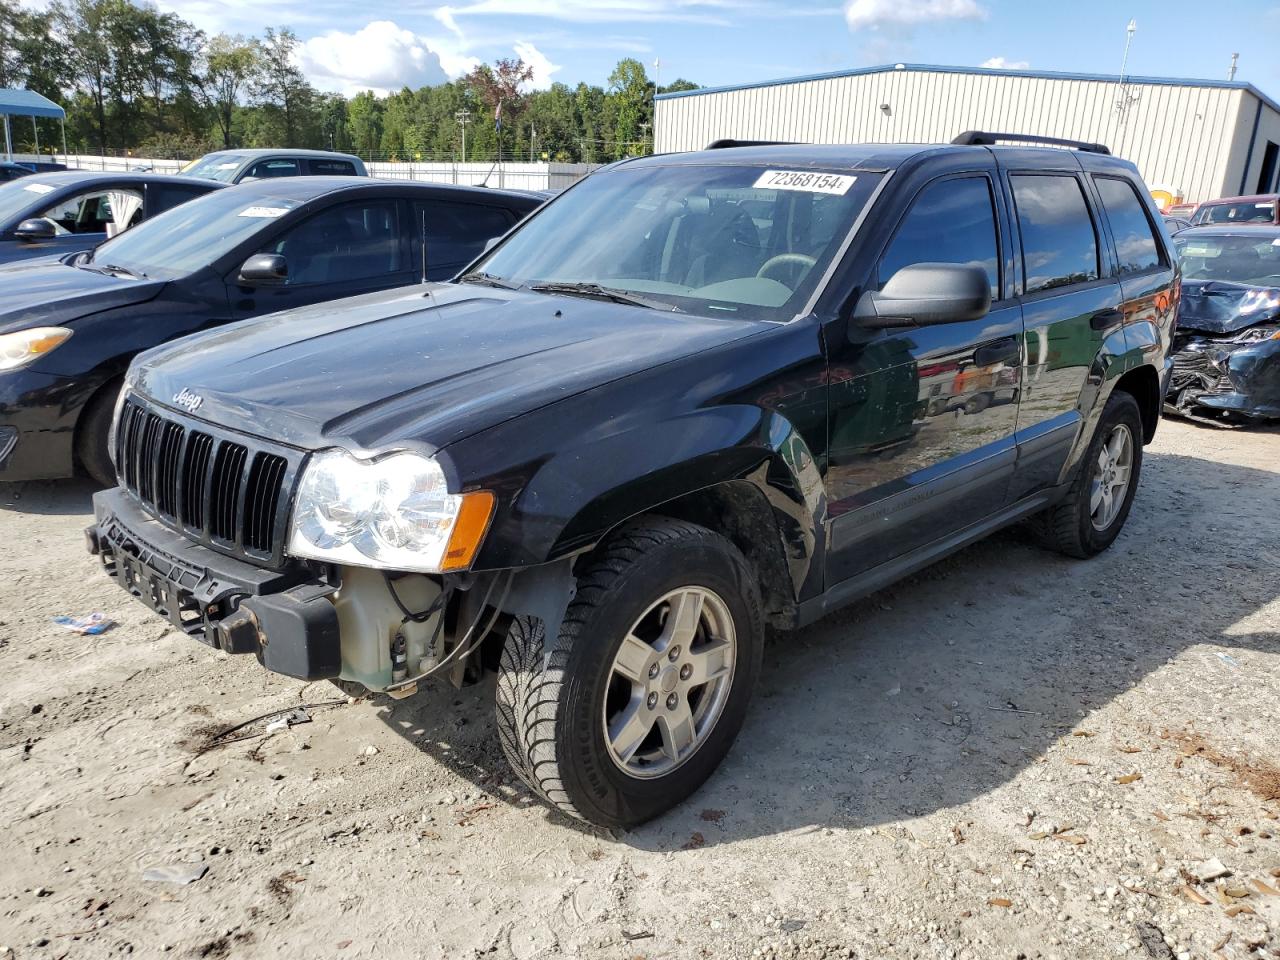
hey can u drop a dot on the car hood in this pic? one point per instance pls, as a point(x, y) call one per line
point(48, 292)
point(419, 366)
point(1219, 306)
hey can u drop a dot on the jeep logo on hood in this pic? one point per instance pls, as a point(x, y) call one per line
point(187, 400)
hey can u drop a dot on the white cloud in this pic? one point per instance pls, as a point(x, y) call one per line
point(1000, 63)
point(380, 56)
point(871, 14)
point(543, 68)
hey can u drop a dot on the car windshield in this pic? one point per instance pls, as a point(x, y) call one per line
point(192, 235)
point(1245, 211)
point(1251, 260)
point(216, 166)
point(18, 195)
point(717, 239)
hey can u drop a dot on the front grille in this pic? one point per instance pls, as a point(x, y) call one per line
point(224, 489)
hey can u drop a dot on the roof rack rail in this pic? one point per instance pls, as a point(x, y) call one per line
point(982, 138)
point(725, 144)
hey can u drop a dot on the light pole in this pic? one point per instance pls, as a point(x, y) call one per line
point(463, 117)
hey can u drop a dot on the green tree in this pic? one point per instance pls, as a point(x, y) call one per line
point(364, 122)
point(281, 87)
point(230, 66)
point(631, 93)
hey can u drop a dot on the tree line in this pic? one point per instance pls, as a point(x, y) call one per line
point(135, 80)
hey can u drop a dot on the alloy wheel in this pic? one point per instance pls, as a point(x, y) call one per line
point(1110, 482)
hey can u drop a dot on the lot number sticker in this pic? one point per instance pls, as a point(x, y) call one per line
point(267, 213)
point(808, 181)
point(37, 188)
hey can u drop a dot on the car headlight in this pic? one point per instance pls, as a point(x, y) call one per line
point(19, 349)
point(394, 513)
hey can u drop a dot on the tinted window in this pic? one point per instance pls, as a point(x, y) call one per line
point(166, 196)
point(1059, 246)
point(352, 241)
point(457, 232)
point(951, 221)
point(265, 169)
point(332, 168)
point(1136, 246)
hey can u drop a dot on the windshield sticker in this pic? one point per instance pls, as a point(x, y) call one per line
point(265, 213)
point(231, 165)
point(807, 181)
point(38, 187)
point(1200, 250)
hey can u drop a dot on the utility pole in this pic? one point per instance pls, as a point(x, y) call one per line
point(1235, 59)
point(1125, 99)
point(463, 117)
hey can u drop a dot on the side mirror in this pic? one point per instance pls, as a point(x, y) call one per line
point(927, 293)
point(490, 244)
point(36, 230)
point(264, 268)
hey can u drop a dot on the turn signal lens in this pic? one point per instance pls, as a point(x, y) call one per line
point(19, 349)
point(469, 529)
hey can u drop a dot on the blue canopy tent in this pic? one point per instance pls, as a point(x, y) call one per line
point(24, 103)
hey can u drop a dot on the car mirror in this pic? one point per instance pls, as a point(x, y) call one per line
point(924, 294)
point(264, 268)
point(35, 230)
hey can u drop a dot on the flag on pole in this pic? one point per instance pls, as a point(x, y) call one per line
point(497, 117)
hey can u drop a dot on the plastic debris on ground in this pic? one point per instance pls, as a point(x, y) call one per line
point(92, 625)
point(182, 873)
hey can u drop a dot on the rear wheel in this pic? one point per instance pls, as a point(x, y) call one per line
point(639, 698)
point(92, 431)
point(1093, 513)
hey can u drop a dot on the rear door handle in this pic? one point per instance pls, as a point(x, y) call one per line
point(1106, 319)
point(1004, 350)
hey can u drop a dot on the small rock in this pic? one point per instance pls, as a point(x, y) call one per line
point(1211, 869)
point(370, 751)
point(43, 891)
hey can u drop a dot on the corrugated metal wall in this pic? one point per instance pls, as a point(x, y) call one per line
point(1180, 136)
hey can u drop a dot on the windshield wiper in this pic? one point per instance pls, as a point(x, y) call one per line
point(488, 279)
point(111, 269)
point(584, 289)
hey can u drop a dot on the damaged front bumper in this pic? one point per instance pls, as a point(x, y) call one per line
point(1239, 375)
point(286, 619)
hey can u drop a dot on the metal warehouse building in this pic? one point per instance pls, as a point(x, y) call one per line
point(1194, 139)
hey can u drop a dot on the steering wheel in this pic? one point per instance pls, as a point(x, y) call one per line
point(786, 259)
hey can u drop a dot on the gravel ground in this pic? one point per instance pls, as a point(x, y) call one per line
point(1009, 755)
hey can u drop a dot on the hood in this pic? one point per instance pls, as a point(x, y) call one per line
point(49, 292)
point(1219, 306)
point(425, 365)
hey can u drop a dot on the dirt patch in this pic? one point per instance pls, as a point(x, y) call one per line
point(1261, 777)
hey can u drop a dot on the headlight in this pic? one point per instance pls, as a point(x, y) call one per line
point(395, 513)
point(19, 349)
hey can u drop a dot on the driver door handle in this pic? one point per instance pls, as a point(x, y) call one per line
point(1004, 350)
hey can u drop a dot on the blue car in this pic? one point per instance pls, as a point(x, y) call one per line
point(51, 214)
point(12, 171)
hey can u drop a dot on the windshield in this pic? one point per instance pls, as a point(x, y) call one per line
point(216, 166)
point(192, 235)
point(1246, 211)
point(1255, 261)
point(713, 239)
point(16, 196)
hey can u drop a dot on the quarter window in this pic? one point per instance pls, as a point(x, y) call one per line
point(333, 168)
point(951, 221)
point(1136, 247)
point(1059, 246)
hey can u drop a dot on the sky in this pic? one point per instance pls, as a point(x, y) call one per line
point(382, 46)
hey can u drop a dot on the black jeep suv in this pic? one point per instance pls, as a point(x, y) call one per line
point(693, 396)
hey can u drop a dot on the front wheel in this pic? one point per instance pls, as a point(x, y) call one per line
point(1093, 513)
point(639, 698)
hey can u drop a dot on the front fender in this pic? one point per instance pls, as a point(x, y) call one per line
point(573, 497)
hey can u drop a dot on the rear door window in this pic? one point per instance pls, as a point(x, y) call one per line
point(332, 168)
point(280, 167)
point(455, 233)
point(1059, 243)
point(951, 221)
point(1136, 246)
point(167, 196)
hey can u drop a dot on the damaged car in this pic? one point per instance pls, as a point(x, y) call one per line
point(1226, 352)
point(680, 404)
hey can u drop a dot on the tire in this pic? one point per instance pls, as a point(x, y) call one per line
point(91, 435)
point(977, 403)
point(1072, 526)
point(554, 695)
